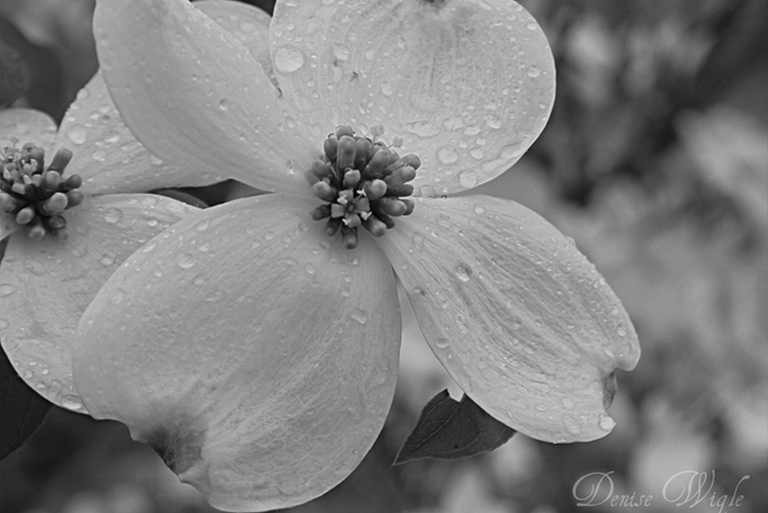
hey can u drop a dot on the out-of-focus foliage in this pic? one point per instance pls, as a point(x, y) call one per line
point(656, 162)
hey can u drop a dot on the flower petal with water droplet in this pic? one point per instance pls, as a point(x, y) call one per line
point(169, 83)
point(519, 317)
point(50, 282)
point(108, 157)
point(452, 79)
point(270, 386)
point(27, 125)
point(249, 24)
point(8, 225)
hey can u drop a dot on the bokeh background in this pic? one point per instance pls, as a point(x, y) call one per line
point(655, 161)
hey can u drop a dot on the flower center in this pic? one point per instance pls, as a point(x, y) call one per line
point(363, 183)
point(36, 196)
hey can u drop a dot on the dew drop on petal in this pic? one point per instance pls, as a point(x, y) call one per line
point(386, 89)
point(288, 59)
point(606, 423)
point(185, 261)
point(6, 289)
point(360, 315)
point(77, 134)
point(468, 178)
point(113, 215)
point(479, 209)
point(442, 343)
point(224, 105)
point(341, 52)
point(447, 155)
point(464, 272)
point(534, 71)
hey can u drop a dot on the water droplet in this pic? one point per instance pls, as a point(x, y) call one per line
point(606, 423)
point(269, 235)
point(442, 343)
point(288, 59)
point(113, 215)
point(533, 71)
point(99, 155)
point(567, 404)
point(118, 297)
point(77, 134)
point(477, 154)
point(149, 247)
point(341, 52)
point(447, 155)
point(310, 269)
point(6, 289)
point(464, 272)
point(479, 209)
point(386, 89)
point(572, 425)
point(468, 178)
point(185, 261)
point(360, 315)
point(108, 258)
point(224, 105)
point(621, 329)
point(202, 225)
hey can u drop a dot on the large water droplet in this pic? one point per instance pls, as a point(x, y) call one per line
point(113, 215)
point(6, 289)
point(77, 134)
point(447, 155)
point(386, 89)
point(533, 71)
point(360, 315)
point(442, 343)
point(606, 423)
point(185, 261)
point(341, 52)
point(468, 178)
point(288, 59)
point(464, 272)
point(108, 258)
point(479, 209)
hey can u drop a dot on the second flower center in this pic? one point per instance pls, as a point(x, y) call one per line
point(35, 196)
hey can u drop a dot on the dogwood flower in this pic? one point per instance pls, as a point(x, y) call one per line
point(69, 225)
point(254, 345)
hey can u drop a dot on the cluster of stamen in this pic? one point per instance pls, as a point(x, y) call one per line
point(363, 183)
point(35, 196)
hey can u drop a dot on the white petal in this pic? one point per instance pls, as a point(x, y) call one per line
point(248, 24)
point(7, 225)
point(191, 92)
point(253, 352)
point(107, 156)
point(467, 84)
point(521, 320)
point(45, 285)
point(26, 125)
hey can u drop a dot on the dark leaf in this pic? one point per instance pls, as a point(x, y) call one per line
point(450, 429)
point(21, 409)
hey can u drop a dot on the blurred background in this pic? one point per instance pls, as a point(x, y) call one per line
point(655, 161)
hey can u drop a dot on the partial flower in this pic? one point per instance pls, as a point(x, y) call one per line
point(265, 359)
point(71, 210)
